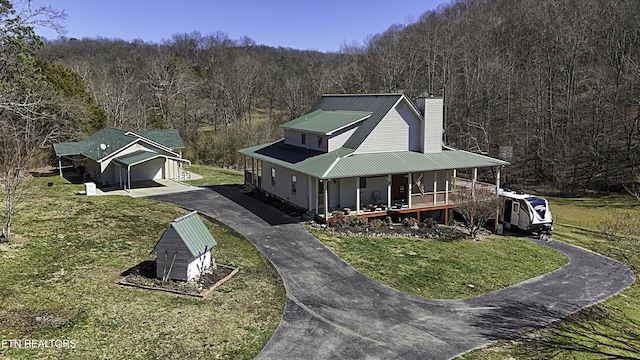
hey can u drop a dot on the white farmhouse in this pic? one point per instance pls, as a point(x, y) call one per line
point(367, 155)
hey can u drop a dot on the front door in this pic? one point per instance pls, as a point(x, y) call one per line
point(399, 189)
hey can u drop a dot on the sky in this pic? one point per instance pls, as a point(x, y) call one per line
point(322, 25)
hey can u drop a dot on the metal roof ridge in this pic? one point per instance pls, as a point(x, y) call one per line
point(375, 94)
point(183, 217)
point(151, 141)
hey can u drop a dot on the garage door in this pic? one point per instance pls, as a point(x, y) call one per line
point(149, 170)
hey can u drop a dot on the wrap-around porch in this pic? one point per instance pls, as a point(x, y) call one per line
point(402, 195)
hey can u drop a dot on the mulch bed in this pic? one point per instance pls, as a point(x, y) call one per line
point(424, 232)
point(143, 276)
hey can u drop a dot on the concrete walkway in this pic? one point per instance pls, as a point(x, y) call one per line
point(334, 312)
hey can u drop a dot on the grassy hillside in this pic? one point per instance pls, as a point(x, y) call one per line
point(58, 282)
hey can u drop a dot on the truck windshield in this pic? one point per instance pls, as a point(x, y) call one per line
point(539, 205)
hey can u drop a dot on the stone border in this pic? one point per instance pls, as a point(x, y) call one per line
point(172, 291)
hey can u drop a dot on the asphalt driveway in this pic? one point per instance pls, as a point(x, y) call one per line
point(334, 312)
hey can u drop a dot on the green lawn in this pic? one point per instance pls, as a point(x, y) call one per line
point(214, 175)
point(608, 330)
point(58, 282)
point(445, 269)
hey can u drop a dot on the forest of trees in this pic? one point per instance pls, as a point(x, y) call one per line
point(558, 81)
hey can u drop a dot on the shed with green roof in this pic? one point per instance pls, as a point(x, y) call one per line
point(184, 249)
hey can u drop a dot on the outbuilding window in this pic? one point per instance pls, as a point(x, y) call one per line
point(273, 176)
point(303, 139)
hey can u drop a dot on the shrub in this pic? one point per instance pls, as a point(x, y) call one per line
point(339, 219)
point(409, 221)
point(430, 223)
point(376, 223)
point(359, 221)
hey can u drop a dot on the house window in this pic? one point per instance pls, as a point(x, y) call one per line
point(319, 141)
point(273, 177)
point(363, 182)
point(294, 184)
point(303, 139)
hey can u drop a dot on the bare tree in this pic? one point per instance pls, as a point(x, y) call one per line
point(17, 160)
point(477, 205)
point(24, 106)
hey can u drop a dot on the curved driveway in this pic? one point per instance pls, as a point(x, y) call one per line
point(334, 312)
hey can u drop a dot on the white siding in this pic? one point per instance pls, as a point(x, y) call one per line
point(282, 188)
point(334, 194)
point(295, 138)
point(348, 192)
point(434, 113)
point(197, 266)
point(374, 184)
point(399, 130)
point(340, 137)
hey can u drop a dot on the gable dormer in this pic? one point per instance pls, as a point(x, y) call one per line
point(323, 130)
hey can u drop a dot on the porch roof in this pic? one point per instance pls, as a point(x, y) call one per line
point(136, 157)
point(342, 163)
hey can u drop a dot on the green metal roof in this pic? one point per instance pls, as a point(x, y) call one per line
point(167, 137)
point(342, 163)
point(403, 162)
point(136, 157)
point(325, 122)
point(377, 104)
point(193, 233)
point(114, 140)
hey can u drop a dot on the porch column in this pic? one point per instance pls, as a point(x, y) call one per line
point(60, 165)
point(435, 188)
point(317, 188)
point(244, 168)
point(129, 178)
point(495, 222)
point(326, 200)
point(410, 186)
point(446, 193)
point(389, 191)
point(253, 174)
point(473, 183)
point(309, 189)
point(358, 195)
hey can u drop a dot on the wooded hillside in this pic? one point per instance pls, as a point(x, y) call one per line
point(558, 81)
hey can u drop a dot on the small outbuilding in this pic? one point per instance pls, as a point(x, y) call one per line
point(184, 250)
